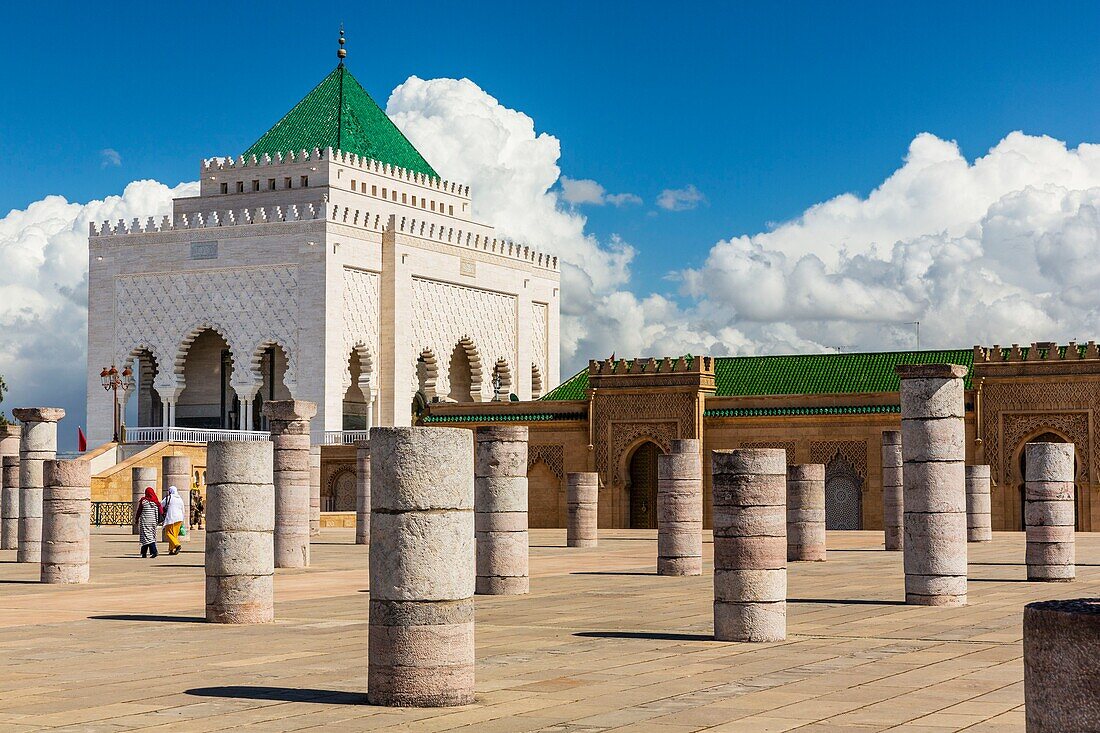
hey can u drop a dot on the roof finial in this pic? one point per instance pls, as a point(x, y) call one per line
point(341, 53)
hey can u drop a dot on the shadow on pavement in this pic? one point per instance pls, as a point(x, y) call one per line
point(284, 694)
point(613, 572)
point(644, 635)
point(846, 601)
point(149, 617)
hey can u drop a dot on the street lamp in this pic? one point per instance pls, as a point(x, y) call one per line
point(113, 381)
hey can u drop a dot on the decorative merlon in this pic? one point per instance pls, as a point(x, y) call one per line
point(1037, 351)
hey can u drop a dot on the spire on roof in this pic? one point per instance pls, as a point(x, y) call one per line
point(341, 53)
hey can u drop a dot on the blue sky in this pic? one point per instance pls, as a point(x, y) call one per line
point(766, 108)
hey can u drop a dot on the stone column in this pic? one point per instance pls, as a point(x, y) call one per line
point(750, 544)
point(421, 632)
point(9, 504)
point(9, 488)
point(1048, 511)
point(314, 490)
point(581, 501)
point(176, 471)
point(141, 478)
point(680, 509)
point(362, 492)
point(1062, 665)
point(66, 522)
point(500, 506)
point(806, 512)
point(37, 444)
point(289, 426)
point(933, 441)
point(893, 503)
point(979, 527)
point(240, 524)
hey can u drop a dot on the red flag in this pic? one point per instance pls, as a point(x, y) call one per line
point(81, 440)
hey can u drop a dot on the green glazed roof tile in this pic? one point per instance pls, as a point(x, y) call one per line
point(801, 374)
point(339, 114)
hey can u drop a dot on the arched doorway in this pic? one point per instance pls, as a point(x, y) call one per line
point(642, 486)
point(843, 495)
point(208, 401)
point(339, 494)
point(1046, 437)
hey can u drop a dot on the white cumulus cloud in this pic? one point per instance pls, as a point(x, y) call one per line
point(579, 191)
point(681, 199)
point(44, 293)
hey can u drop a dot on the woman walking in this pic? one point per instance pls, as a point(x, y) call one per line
point(173, 520)
point(147, 517)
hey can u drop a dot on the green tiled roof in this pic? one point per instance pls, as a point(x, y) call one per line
point(538, 417)
point(802, 374)
point(339, 114)
point(773, 411)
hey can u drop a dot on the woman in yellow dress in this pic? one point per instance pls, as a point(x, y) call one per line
point(173, 520)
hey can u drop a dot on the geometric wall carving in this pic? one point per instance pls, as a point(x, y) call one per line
point(362, 296)
point(552, 455)
point(446, 314)
point(854, 453)
point(251, 307)
point(539, 344)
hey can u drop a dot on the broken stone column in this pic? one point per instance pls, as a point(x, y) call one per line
point(1062, 665)
point(240, 527)
point(1048, 511)
point(9, 503)
point(66, 522)
point(933, 440)
point(500, 510)
point(37, 444)
point(289, 427)
point(176, 471)
point(582, 497)
point(421, 634)
point(362, 492)
point(806, 512)
point(315, 490)
point(680, 509)
point(750, 544)
point(9, 488)
point(979, 526)
point(141, 478)
point(893, 503)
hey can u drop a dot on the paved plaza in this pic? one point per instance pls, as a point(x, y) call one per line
point(601, 644)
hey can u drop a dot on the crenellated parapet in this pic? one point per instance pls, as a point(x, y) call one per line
point(1046, 351)
point(230, 164)
point(201, 220)
point(696, 373)
point(666, 365)
point(473, 240)
point(332, 212)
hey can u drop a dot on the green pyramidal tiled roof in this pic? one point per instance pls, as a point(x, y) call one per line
point(803, 374)
point(339, 114)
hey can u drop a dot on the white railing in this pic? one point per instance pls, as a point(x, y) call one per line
point(192, 435)
point(345, 437)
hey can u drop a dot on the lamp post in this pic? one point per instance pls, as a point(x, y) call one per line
point(113, 381)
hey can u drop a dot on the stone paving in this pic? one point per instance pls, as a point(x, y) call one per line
point(602, 643)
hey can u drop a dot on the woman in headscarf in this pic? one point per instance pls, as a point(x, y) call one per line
point(173, 520)
point(147, 517)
